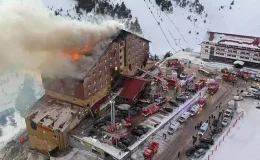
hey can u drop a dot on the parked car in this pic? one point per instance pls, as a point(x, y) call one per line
point(228, 112)
point(125, 141)
point(209, 141)
point(122, 146)
point(247, 94)
point(167, 109)
point(190, 151)
point(184, 117)
point(225, 121)
point(173, 103)
point(174, 127)
point(137, 132)
point(163, 112)
point(202, 145)
point(144, 129)
point(257, 96)
point(215, 122)
point(192, 90)
point(199, 153)
point(183, 97)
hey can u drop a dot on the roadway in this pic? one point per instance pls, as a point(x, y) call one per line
point(184, 135)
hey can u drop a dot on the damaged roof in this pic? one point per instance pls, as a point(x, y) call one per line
point(53, 113)
point(88, 61)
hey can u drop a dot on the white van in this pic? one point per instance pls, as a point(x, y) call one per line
point(184, 117)
point(174, 127)
point(253, 90)
point(194, 109)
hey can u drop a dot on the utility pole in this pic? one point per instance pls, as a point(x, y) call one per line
point(113, 112)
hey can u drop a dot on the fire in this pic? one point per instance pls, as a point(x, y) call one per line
point(75, 55)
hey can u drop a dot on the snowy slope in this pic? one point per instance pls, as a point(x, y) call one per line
point(10, 82)
point(243, 141)
point(241, 19)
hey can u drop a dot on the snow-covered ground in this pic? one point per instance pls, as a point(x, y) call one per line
point(224, 20)
point(10, 82)
point(244, 139)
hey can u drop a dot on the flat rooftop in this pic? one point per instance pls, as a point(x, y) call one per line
point(232, 39)
point(53, 113)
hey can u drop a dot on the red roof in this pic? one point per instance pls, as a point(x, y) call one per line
point(131, 87)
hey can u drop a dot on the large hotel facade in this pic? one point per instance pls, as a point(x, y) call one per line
point(228, 48)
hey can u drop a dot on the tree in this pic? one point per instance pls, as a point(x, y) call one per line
point(26, 95)
point(137, 26)
point(1, 132)
point(156, 58)
point(3, 121)
point(232, 3)
point(168, 54)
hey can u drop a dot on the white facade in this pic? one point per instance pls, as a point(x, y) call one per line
point(231, 52)
point(230, 47)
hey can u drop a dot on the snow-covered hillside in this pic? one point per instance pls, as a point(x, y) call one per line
point(11, 123)
point(241, 19)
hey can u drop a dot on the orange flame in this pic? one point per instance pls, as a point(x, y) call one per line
point(75, 54)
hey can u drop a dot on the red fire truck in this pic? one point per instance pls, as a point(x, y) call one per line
point(213, 88)
point(229, 77)
point(151, 109)
point(151, 150)
point(172, 62)
point(200, 84)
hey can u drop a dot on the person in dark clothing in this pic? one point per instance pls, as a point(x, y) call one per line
point(195, 127)
point(211, 115)
point(179, 154)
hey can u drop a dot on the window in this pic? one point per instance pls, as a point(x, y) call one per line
point(120, 57)
point(206, 50)
point(120, 50)
point(54, 136)
point(206, 46)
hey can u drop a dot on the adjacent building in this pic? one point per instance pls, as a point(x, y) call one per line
point(228, 48)
point(67, 101)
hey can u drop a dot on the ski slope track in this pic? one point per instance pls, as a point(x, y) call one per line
point(241, 19)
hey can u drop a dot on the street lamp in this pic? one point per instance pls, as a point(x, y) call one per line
point(113, 122)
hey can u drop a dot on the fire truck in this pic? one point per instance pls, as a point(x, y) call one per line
point(213, 88)
point(245, 75)
point(149, 110)
point(172, 62)
point(229, 77)
point(200, 84)
point(151, 150)
point(171, 82)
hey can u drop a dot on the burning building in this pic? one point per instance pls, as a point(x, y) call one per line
point(67, 100)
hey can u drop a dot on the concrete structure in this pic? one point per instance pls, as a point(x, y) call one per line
point(67, 101)
point(49, 121)
point(228, 48)
point(126, 53)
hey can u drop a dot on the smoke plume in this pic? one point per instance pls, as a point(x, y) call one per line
point(31, 36)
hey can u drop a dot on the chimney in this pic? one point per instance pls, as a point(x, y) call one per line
point(211, 36)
